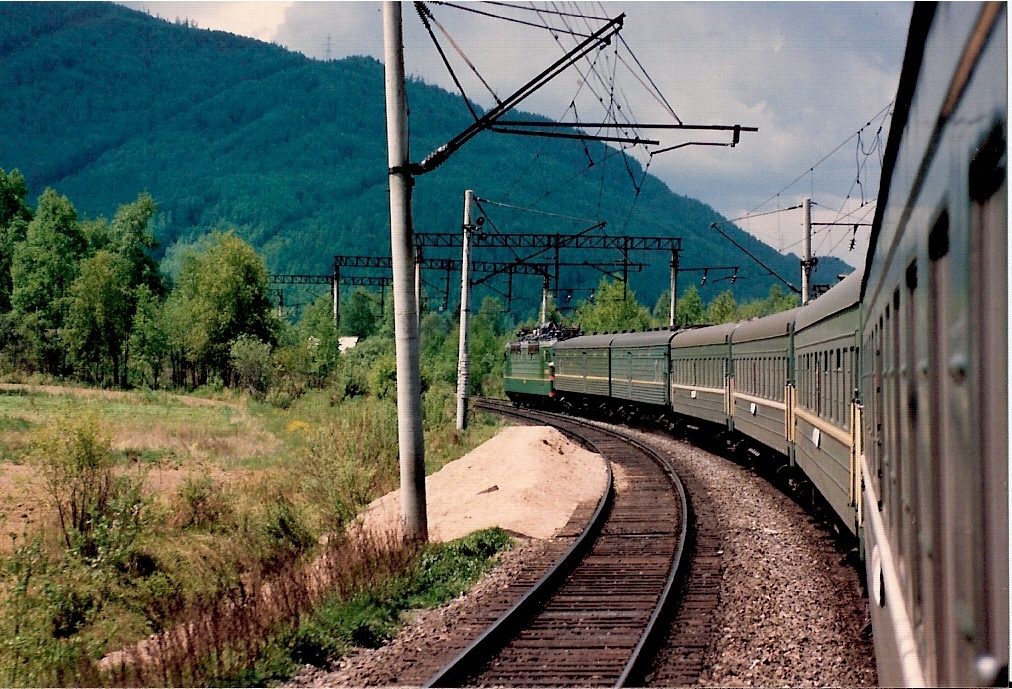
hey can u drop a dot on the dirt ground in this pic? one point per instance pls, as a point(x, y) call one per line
point(527, 480)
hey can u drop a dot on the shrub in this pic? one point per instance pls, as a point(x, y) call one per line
point(251, 362)
point(383, 378)
point(202, 502)
point(350, 461)
point(76, 463)
point(283, 534)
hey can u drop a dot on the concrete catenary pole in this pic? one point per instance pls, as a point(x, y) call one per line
point(409, 398)
point(544, 299)
point(672, 308)
point(335, 286)
point(463, 358)
point(418, 284)
point(806, 251)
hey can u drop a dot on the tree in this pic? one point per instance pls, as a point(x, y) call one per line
point(318, 336)
point(251, 361)
point(778, 301)
point(14, 218)
point(45, 265)
point(99, 314)
point(722, 309)
point(486, 346)
point(130, 237)
point(359, 315)
point(148, 344)
point(221, 294)
point(689, 309)
point(662, 309)
point(614, 308)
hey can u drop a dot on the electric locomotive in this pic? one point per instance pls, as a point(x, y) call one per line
point(529, 367)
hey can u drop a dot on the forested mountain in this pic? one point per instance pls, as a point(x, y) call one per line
point(101, 103)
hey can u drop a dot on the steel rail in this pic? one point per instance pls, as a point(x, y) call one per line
point(489, 641)
point(516, 618)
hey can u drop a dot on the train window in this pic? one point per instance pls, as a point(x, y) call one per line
point(818, 384)
point(889, 448)
point(806, 393)
point(825, 398)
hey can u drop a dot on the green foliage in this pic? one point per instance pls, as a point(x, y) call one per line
point(148, 343)
point(202, 502)
point(252, 365)
point(76, 463)
point(356, 375)
point(99, 315)
point(14, 218)
point(383, 378)
point(448, 571)
point(221, 295)
point(351, 460)
point(614, 308)
point(283, 533)
point(689, 308)
point(44, 266)
point(486, 344)
point(439, 348)
point(317, 335)
point(360, 314)
point(722, 309)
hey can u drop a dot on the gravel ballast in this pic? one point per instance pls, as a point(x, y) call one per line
point(790, 609)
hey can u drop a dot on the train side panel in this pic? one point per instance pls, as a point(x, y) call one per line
point(935, 368)
point(826, 349)
point(700, 370)
point(583, 365)
point(527, 370)
point(639, 367)
point(761, 364)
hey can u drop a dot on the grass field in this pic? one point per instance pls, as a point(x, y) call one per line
point(189, 498)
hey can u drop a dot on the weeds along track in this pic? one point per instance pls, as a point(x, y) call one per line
point(591, 619)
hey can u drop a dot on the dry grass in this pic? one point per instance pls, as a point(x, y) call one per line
point(216, 643)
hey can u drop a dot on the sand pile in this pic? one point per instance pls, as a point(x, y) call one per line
point(527, 480)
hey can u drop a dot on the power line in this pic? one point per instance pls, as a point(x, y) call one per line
point(825, 157)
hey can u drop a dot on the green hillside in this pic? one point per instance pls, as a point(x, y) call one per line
point(102, 102)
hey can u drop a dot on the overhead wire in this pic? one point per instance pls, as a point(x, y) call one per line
point(599, 77)
point(492, 15)
point(826, 157)
point(424, 15)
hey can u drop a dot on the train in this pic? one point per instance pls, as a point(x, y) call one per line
point(890, 391)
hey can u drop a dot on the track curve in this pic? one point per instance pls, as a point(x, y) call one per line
point(590, 621)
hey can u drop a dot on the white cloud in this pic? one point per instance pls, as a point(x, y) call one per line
point(258, 20)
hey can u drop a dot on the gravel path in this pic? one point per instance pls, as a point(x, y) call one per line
point(789, 613)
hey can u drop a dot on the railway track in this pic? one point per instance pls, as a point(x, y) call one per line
point(592, 619)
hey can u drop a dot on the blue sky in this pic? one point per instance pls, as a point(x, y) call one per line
point(809, 75)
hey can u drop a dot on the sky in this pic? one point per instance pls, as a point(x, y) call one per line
point(817, 79)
